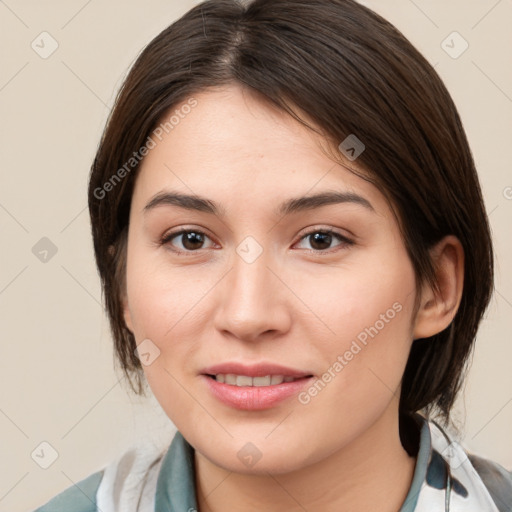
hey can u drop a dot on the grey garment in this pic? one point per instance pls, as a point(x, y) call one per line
point(80, 497)
point(446, 479)
point(449, 479)
point(129, 484)
point(497, 480)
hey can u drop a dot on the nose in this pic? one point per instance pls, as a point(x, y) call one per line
point(254, 303)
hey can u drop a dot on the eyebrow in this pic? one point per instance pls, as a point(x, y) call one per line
point(293, 205)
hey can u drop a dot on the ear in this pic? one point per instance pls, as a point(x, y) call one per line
point(112, 250)
point(438, 307)
point(126, 313)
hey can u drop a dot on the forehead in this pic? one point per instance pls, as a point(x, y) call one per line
point(237, 147)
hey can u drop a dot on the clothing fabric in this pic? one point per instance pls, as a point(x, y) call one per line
point(446, 479)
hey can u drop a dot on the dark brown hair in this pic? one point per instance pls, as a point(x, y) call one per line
point(348, 71)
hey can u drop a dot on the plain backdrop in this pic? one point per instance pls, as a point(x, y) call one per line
point(58, 382)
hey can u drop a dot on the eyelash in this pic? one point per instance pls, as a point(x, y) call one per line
point(344, 241)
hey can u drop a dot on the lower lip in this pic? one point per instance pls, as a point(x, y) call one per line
point(255, 398)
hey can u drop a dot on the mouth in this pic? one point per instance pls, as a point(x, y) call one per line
point(254, 388)
point(245, 380)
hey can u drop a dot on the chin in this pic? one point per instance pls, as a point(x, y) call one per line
point(242, 456)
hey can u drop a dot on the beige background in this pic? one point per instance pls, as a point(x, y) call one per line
point(58, 382)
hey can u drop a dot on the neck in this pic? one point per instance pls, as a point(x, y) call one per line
point(372, 471)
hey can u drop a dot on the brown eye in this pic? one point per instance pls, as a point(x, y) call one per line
point(321, 240)
point(192, 240)
point(185, 240)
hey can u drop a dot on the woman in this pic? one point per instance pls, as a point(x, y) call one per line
point(295, 256)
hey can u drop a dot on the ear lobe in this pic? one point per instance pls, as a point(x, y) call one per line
point(439, 306)
point(127, 315)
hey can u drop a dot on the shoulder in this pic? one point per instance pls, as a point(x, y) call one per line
point(80, 497)
point(123, 485)
point(497, 480)
point(474, 479)
point(129, 483)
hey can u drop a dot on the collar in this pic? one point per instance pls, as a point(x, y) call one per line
point(444, 479)
point(175, 488)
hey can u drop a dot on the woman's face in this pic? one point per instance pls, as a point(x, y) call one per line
point(259, 283)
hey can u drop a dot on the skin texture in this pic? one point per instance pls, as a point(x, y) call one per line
point(292, 306)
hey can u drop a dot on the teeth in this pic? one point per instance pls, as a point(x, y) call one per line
point(260, 381)
point(230, 379)
point(276, 379)
point(244, 380)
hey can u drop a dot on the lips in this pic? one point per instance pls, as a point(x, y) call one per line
point(254, 387)
point(258, 370)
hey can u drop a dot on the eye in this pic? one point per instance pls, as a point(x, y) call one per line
point(321, 239)
point(191, 240)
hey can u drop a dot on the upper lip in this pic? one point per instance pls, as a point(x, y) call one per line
point(255, 370)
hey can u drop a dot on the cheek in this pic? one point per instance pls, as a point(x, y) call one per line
point(162, 310)
point(167, 308)
point(369, 295)
point(160, 298)
point(369, 316)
